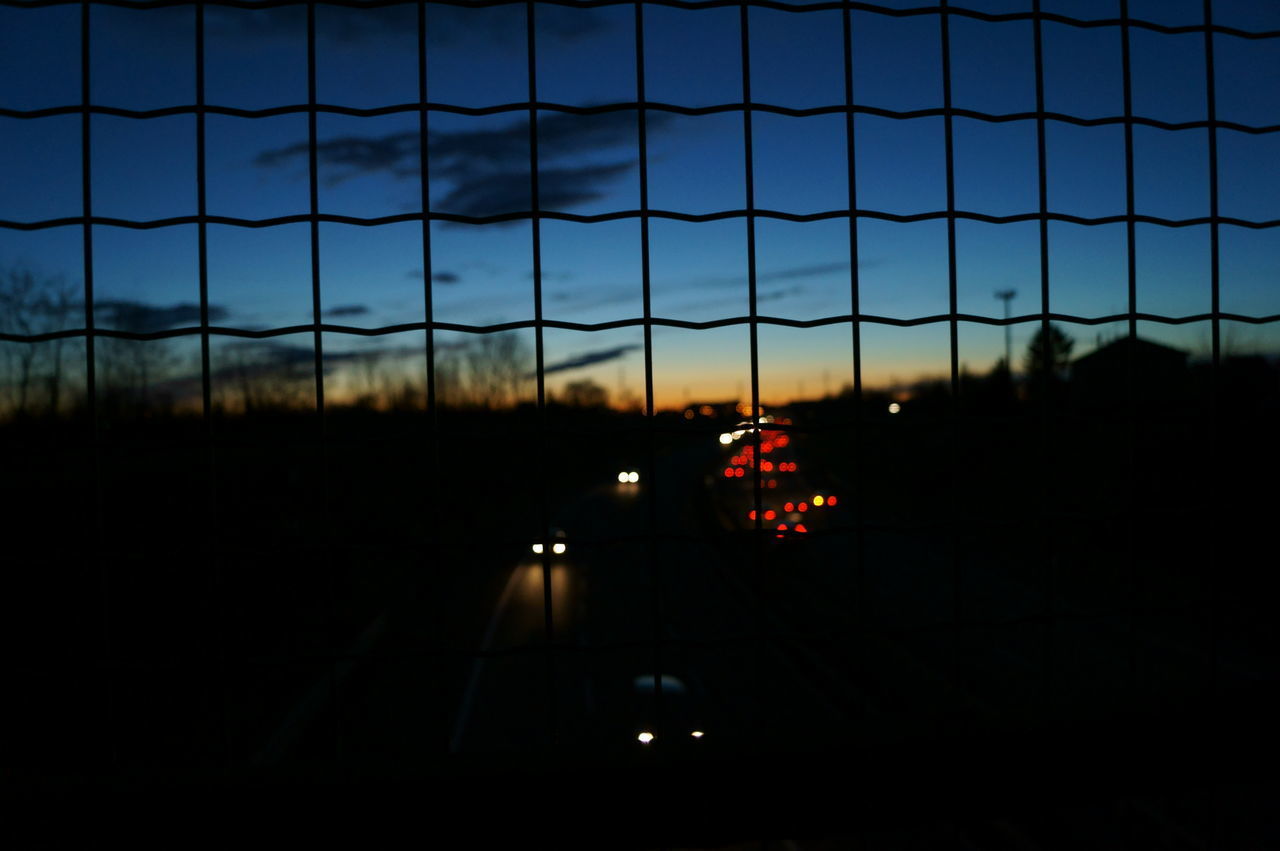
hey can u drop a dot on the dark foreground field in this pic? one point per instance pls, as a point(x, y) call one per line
point(1018, 628)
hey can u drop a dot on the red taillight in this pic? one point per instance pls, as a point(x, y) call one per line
point(790, 506)
point(766, 447)
point(804, 506)
point(728, 472)
point(773, 483)
point(800, 528)
point(770, 514)
point(782, 527)
point(751, 515)
point(831, 500)
point(767, 466)
point(739, 472)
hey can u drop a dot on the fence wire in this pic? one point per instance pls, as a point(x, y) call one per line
point(425, 109)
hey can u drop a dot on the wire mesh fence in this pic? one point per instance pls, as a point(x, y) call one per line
point(332, 642)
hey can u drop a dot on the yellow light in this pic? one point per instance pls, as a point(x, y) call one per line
point(706, 410)
point(558, 549)
point(817, 500)
point(537, 548)
point(645, 738)
point(894, 407)
point(622, 477)
point(726, 438)
point(697, 734)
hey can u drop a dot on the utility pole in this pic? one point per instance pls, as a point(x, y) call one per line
point(1007, 296)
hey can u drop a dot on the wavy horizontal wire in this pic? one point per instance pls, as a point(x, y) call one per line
point(634, 214)
point(867, 318)
point(703, 4)
point(625, 106)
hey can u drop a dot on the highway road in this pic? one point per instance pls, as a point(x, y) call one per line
point(765, 646)
point(621, 613)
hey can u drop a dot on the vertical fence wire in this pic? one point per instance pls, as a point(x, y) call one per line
point(1212, 722)
point(1131, 278)
point(1215, 389)
point(424, 163)
point(1046, 518)
point(212, 557)
point(94, 496)
point(317, 318)
point(855, 328)
point(544, 517)
point(744, 18)
point(758, 539)
point(651, 467)
point(953, 479)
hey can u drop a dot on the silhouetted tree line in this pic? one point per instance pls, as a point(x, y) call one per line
point(35, 378)
point(490, 371)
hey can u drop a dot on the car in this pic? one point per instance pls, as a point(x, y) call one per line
point(682, 724)
point(559, 543)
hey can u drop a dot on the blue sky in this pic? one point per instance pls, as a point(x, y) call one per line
point(368, 166)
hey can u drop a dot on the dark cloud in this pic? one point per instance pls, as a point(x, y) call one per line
point(464, 153)
point(439, 277)
point(455, 153)
point(596, 297)
point(774, 295)
point(489, 194)
point(795, 272)
point(348, 310)
point(139, 317)
point(589, 359)
point(789, 274)
point(396, 153)
point(488, 168)
point(551, 275)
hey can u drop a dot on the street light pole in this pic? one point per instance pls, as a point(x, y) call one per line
point(1007, 296)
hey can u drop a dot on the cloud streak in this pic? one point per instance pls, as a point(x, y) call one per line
point(140, 317)
point(588, 359)
point(442, 277)
point(347, 310)
point(488, 169)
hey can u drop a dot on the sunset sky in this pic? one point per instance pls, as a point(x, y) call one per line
point(145, 169)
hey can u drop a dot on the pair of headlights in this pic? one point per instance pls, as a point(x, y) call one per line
point(558, 548)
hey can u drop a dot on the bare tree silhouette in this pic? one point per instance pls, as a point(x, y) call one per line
point(32, 375)
point(497, 370)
